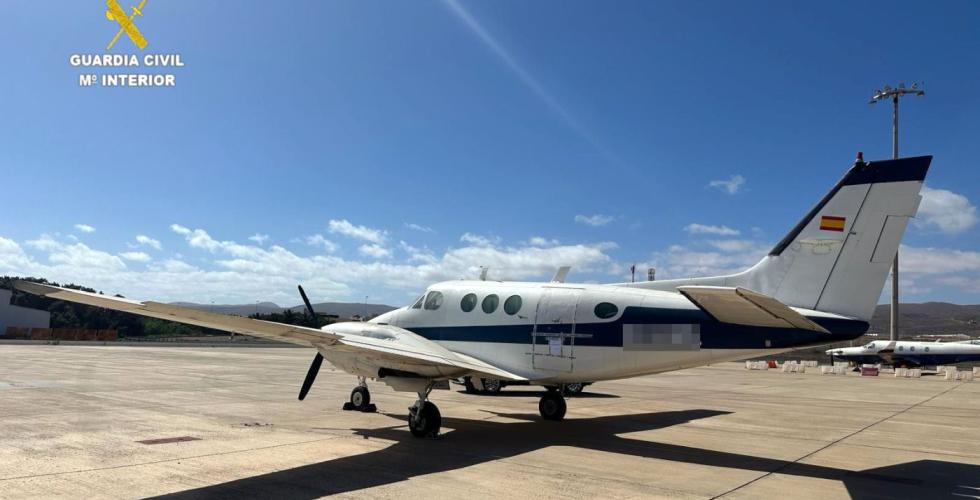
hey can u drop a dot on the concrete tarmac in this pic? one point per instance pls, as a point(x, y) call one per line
point(199, 422)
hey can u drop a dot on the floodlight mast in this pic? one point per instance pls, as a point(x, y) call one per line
point(894, 94)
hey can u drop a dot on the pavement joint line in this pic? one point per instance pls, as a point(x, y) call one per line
point(931, 452)
point(836, 441)
point(155, 462)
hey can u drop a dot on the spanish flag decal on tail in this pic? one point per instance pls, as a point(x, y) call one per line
point(832, 223)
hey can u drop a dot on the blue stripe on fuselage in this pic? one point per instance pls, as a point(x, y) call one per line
point(714, 335)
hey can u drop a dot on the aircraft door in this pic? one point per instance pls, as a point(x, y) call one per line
point(553, 336)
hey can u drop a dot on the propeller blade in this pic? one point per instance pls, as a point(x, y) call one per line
point(310, 375)
point(309, 307)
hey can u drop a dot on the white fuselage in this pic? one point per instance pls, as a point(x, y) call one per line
point(554, 332)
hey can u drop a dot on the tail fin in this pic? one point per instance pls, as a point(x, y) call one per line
point(836, 259)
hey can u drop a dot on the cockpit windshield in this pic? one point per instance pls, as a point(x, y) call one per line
point(418, 302)
point(870, 346)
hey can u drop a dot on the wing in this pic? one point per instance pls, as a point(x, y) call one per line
point(745, 307)
point(370, 344)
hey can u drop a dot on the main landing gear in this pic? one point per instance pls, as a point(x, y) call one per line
point(360, 398)
point(552, 406)
point(424, 419)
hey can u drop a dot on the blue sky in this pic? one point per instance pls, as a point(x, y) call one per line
point(370, 148)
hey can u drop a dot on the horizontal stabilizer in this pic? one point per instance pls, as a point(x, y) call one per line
point(744, 307)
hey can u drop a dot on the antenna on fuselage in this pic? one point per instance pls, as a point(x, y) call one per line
point(560, 274)
point(483, 273)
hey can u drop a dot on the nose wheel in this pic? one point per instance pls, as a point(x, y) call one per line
point(552, 406)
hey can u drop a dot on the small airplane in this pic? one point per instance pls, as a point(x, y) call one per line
point(818, 285)
point(910, 354)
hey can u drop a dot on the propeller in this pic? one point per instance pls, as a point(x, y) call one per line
point(310, 376)
point(318, 359)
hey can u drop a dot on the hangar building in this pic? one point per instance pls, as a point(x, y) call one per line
point(20, 317)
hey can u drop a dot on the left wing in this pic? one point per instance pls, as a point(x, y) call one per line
point(372, 345)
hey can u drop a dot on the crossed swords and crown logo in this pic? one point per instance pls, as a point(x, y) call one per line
point(116, 13)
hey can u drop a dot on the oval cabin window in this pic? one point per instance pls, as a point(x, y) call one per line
point(490, 303)
point(468, 303)
point(512, 304)
point(605, 310)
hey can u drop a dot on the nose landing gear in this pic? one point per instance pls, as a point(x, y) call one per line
point(360, 398)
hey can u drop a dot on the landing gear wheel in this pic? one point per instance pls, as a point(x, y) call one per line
point(491, 385)
point(552, 406)
point(424, 422)
point(574, 389)
point(360, 398)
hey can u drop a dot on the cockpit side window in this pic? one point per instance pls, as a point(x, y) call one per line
point(433, 301)
point(418, 303)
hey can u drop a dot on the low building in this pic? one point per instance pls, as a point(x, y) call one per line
point(20, 317)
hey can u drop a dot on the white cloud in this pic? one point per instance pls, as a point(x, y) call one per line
point(731, 186)
point(376, 251)
point(240, 273)
point(539, 241)
point(317, 240)
point(135, 256)
point(144, 240)
point(480, 241)
point(724, 258)
point(358, 232)
point(177, 228)
point(733, 245)
point(594, 220)
point(945, 210)
point(259, 238)
point(917, 260)
point(696, 228)
point(85, 228)
point(416, 227)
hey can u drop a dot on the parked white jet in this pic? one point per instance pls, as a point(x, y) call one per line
point(908, 353)
point(818, 285)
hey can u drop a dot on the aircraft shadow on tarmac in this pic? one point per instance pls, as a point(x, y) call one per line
point(474, 442)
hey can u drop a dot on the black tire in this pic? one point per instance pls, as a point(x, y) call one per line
point(427, 423)
point(552, 406)
point(468, 386)
point(574, 388)
point(492, 385)
point(360, 398)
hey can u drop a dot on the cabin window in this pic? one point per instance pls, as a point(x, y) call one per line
point(901, 348)
point(418, 303)
point(605, 310)
point(912, 348)
point(433, 301)
point(927, 348)
point(468, 303)
point(490, 303)
point(512, 304)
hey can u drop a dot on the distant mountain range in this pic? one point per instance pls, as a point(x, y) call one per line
point(341, 309)
point(939, 318)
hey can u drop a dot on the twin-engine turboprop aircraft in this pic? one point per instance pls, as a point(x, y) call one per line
point(908, 353)
point(818, 285)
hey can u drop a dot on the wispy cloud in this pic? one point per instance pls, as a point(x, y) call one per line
point(85, 228)
point(317, 240)
point(135, 256)
point(259, 238)
point(731, 186)
point(144, 240)
point(696, 228)
point(594, 220)
point(344, 227)
point(945, 210)
point(420, 228)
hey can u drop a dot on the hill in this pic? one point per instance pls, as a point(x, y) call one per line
point(341, 309)
point(938, 318)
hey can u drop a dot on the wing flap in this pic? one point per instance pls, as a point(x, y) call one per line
point(741, 306)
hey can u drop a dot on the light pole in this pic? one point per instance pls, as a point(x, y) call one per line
point(894, 94)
